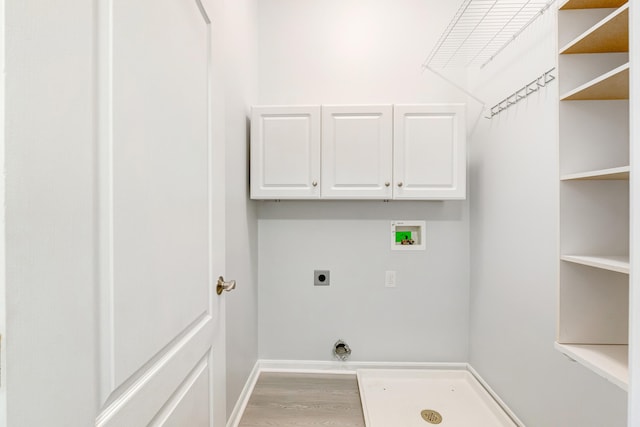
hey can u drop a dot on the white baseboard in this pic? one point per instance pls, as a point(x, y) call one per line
point(350, 368)
point(243, 399)
point(495, 396)
point(337, 367)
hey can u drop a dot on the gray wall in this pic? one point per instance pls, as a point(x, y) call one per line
point(423, 319)
point(514, 249)
point(241, 222)
point(349, 51)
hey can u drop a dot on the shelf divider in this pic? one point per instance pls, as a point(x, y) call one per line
point(620, 173)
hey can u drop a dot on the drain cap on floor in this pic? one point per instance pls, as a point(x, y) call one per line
point(431, 416)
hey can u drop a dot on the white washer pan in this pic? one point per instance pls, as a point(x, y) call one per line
point(396, 398)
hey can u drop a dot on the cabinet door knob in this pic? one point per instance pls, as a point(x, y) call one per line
point(400, 184)
point(386, 184)
point(314, 183)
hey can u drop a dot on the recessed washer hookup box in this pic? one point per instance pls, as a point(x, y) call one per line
point(408, 235)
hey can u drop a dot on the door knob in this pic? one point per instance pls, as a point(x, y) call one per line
point(225, 286)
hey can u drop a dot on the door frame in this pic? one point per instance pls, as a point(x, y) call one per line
point(3, 275)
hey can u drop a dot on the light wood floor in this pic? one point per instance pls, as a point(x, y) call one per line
point(294, 400)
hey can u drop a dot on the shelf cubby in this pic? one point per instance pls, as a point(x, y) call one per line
point(608, 35)
point(594, 217)
point(594, 137)
point(611, 85)
point(608, 361)
point(594, 305)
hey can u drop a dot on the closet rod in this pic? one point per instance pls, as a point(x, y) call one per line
point(522, 93)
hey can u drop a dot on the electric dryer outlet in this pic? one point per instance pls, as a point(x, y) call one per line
point(321, 278)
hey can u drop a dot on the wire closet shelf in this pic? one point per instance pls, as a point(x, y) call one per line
point(481, 29)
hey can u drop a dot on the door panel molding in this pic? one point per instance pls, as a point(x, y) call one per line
point(203, 12)
point(178, 410)
point(104, 208)
point(141, 401)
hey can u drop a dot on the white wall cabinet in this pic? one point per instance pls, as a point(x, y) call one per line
point(357, 152)
point(593, 326)
point(410, 152)
point(430, 160)
point(285, 152)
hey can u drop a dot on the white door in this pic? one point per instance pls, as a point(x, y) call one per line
point(429, 152)
point(285, 152)
point(357, 152)
point(157, 260)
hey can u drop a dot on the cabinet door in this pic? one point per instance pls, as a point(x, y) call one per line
point(429, 152)
point(285, 152)
point(357, 152)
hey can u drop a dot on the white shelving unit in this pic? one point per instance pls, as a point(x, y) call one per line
point(594, 186)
